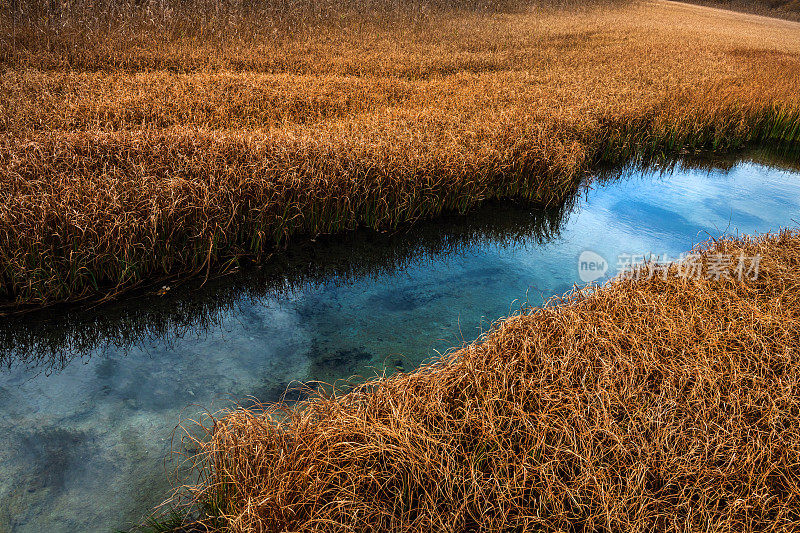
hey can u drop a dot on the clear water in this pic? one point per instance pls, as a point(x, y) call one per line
point(89, 399)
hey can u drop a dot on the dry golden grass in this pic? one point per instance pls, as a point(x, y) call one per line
point(127, 155)
point(647, 405)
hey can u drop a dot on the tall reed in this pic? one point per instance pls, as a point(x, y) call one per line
point(148, 155)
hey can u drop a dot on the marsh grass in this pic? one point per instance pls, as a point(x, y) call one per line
point(49, 340)
point(666, 404)
point(145, 154)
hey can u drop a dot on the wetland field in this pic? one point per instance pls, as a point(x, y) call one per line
point(411, 265)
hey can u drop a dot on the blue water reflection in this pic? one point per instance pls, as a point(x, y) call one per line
point(86, 420)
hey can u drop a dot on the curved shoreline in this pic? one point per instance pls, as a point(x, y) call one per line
point(318, 212)
point(625, 401)
point(111, 179)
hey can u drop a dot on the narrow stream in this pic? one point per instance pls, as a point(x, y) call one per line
point(89, 399)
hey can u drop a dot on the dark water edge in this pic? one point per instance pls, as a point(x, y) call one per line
point(89, 396)
point(49, 339)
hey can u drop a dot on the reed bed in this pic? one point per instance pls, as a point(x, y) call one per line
point(127, 155)
point(49, 340)
point(657, 403)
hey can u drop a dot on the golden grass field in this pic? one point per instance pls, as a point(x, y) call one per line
point(143, 140)
point(132, 149)
point(650, 404)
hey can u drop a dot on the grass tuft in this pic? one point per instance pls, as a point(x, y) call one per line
point(651, 404)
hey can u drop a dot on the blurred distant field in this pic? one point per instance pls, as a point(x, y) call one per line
point(140, 140)
point(788, 9)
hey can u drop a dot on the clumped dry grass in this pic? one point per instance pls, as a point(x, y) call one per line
point(647, 405)
point(134, 147)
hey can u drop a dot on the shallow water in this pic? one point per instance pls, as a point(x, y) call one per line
point(89, 399)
